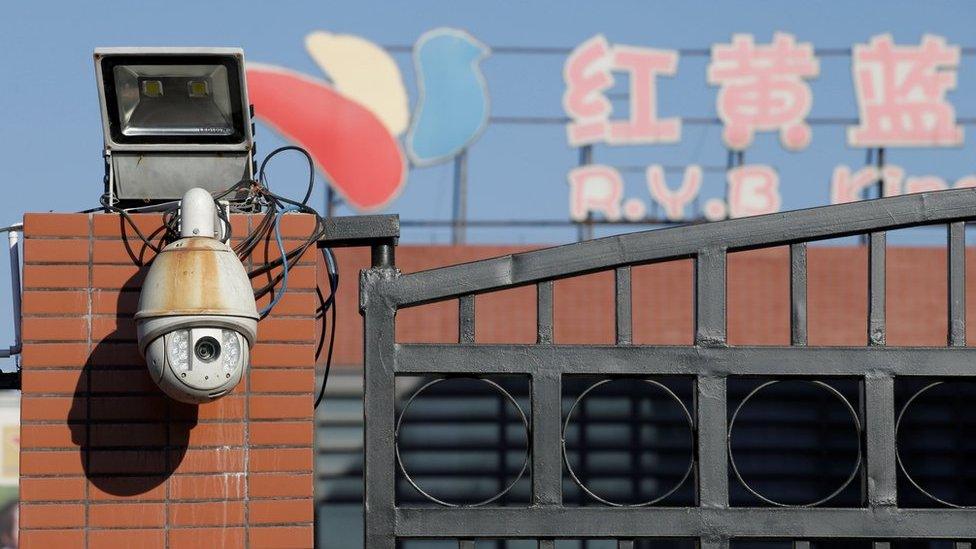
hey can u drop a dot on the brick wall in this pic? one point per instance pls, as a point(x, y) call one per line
point(107, 460)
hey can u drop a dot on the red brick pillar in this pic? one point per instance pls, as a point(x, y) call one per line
point(107, 459)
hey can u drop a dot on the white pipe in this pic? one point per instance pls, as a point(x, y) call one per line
point(13, 240)
point(197, 214)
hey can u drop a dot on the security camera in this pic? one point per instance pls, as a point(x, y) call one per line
point(197, 320)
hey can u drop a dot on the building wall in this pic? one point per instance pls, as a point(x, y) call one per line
point(107, 460)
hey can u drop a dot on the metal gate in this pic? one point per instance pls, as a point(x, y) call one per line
point(710, 362)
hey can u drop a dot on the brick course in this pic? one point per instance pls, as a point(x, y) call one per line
point(109, 461)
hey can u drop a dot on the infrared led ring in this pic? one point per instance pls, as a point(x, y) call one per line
point(857, 429)
point(403, 469)
point(691, 452)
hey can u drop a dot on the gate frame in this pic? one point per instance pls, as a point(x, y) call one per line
point(710, 360)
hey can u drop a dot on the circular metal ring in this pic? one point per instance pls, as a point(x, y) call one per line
point(857, 428)
point(508, 396)
point(901, 464)
point(691, 451)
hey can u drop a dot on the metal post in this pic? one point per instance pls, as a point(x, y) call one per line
point(383, 255)
point(330, 201)
point(379, 462)
point(460, 197)
point(584, 229)
point(880, 166)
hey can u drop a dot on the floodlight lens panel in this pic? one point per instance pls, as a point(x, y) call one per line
point(173, 100)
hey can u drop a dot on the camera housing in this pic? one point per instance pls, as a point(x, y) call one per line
point(197, 319)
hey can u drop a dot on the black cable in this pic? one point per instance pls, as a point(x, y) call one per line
point(329, 304)
point(328, 361)
point(259, 195)
point(274, 203)
point(222, 215)
point(311, 169)
point(125, 215)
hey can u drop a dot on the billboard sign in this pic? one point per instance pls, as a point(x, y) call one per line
point(900, 91)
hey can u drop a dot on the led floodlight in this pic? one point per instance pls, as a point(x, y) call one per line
point(173, 119)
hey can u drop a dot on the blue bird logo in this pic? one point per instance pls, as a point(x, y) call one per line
point(452, 109)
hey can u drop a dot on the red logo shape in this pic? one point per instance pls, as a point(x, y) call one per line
point(349, 144)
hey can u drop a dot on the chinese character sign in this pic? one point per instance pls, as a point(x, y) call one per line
point(763, 89)
point(588, 74)
point(901, 94)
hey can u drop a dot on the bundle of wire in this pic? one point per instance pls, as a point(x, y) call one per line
point(248, 196)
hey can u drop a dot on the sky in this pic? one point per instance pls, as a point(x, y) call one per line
point(51, 131)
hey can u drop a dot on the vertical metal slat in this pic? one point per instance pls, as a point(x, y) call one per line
point(544, 312)
point(466, 319)
point(710, 398)
point(547, 463)
point(957, 284)
point(547, 544)
point(876, 288)
point(466, 544)
point(624, 306)
point(798, 295)
point(625, 544)
point(879, 394)
point(712, 425)
point(710, 322)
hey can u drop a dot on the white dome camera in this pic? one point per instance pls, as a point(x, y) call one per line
point(197, 319)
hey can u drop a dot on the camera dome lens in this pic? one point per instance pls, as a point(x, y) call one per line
point(207, 349)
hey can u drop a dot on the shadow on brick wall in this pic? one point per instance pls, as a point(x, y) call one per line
point(131, 436)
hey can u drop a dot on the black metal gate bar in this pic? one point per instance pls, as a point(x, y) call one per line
point(710, 406)
point(763, 231)
point(688, 522)
point(798, 296)
point(379, 497)
point(712, 521)
point(518, 359)
point(546, 401)
point(957, 283)
point(624, 308)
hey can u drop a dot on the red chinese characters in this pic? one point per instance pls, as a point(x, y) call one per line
point(763, 88)
point(588, 73)
point(901, 94)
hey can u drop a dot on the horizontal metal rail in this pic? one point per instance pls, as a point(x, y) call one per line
point(683, 242)
point(437, 359)
point(660, 522)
